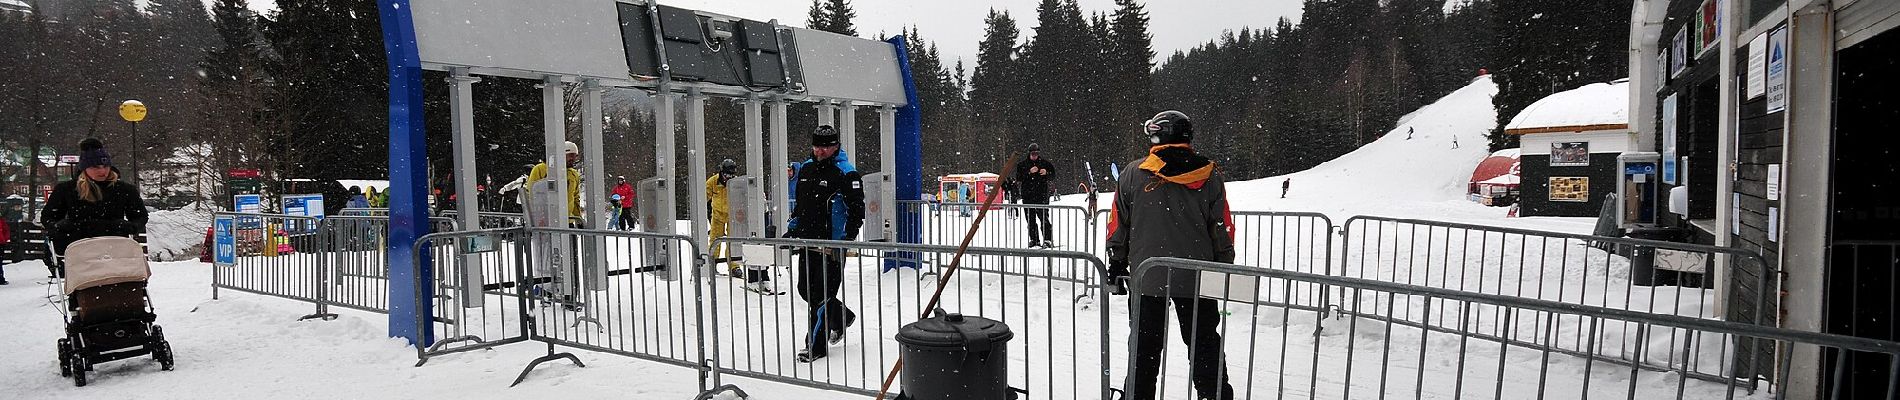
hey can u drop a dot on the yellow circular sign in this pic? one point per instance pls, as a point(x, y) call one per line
point(132, 110)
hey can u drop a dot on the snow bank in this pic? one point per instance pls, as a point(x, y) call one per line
point(173, 235)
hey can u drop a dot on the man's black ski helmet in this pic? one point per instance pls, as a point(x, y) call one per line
point(728, 166)
point(1169, 127)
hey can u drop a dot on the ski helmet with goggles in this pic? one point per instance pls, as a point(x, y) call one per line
point(1169, 127)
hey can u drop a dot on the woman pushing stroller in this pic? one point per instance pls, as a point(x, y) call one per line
point(94, 203)
point(108, 314)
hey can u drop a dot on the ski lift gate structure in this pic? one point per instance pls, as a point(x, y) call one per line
point(680, 57)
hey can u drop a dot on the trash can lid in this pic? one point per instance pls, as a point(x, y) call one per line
point(954, 332)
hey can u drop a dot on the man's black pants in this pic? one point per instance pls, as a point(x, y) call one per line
point(1200, 328)
point(820, 276)
point(1039, 227)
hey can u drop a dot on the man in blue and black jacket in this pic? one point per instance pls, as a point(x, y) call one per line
point(828, 204)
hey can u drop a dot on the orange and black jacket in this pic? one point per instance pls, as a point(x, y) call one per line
point(1173, 205)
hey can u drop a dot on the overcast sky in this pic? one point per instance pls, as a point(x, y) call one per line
point(957, 25)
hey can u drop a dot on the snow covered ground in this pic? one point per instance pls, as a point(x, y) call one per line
point(246, 346)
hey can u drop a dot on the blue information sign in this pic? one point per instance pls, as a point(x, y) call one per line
point(224, 239)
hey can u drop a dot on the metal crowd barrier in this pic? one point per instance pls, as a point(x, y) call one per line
point(477, 299)
point(1287, 241)
point(1006, 226)
point(356, 260)
point(1275, 351)
point(336, 261)
point(491, 219)
point(277, 255)
point(1059, 343)
point(630, 294)
point(365, 212)
point(1565, 268)
point(1852, 265)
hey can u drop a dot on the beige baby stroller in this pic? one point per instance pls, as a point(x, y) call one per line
point(108, 316)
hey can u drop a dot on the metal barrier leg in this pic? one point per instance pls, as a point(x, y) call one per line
point(552, 356)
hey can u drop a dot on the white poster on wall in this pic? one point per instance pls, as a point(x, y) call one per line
point(1757, 67)
point(1777, 80)
point(1774, 182)
point(1669, 139)
point(1774, 224)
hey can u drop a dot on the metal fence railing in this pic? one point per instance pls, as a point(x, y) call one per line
point(1031, 291)
point(1268, 350)
point(278, 256)
point(1380, 284)
point(365, 212)
point(337, 261)
point(1287, 241)
point(1862, 303)
point(630, 294)
point(1565, 268)
point(491, 219)
point(1007, 225)
point(356, 260)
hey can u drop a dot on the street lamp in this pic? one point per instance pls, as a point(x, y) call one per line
point(133, 111)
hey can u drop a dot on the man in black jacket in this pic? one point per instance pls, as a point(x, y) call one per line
point(1032, 178)
point(1173, 204)
point(828, 204)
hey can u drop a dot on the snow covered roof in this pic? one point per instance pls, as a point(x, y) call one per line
point(1593, 107)
point(1506, 179)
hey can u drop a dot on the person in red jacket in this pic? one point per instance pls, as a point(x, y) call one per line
point(625, 191)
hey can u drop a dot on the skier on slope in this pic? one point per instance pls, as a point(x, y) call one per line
point(828, 204)
point(1173, 205)
point(1032, 183)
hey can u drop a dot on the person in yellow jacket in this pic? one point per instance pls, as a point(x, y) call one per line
point(540, 172)
point(757, 280)
point(721, 212)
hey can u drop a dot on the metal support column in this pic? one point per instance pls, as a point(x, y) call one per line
point(594, 181)
point(468, 198)
point(696, 168)
point(408, 177)
point(593, 185)
point(554, 137)
point(776, 186)
point(827, 115)
point(755, 156)
point(848, 130)
point(907, 137)
point(887, 156)
point(665, 133)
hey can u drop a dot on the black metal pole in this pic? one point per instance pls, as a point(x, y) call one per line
point(33, 181)
point(136, 144)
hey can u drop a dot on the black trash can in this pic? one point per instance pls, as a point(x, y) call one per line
point(952, 357)
point(1643, 258)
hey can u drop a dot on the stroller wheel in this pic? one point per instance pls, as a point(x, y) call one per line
point(164, 355)
point(65, 358)
point(79, 370)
